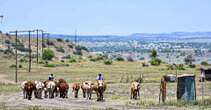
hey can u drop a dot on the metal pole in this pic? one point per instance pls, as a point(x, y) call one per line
point(42, 42)
point(37, 45)
point(16, 56)
point(29, 51)
point(75, 37)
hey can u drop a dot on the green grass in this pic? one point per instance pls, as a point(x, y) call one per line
point(9, 88)
point(117, 90)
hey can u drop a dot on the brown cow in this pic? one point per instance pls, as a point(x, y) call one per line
point(135, 87)
point(75, 89)
point(99, 88)
point(63, 88)
point(87, 88)
point(28, 88)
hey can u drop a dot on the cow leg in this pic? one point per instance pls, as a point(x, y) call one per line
point(84, 93)
point(24, 94)
point(29, 95)
point(131, 94)
point(76, 94)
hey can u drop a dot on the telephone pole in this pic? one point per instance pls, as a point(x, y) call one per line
point(75, 37)
point(37, 32)
point(16, 55)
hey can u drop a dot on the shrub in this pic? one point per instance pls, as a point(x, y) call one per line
point(20, 66)
point(23, 60)
point(67, 40)
point(98, 57)
point(51, 43)
point(81, 48)
point(155, 62)
point(130, 59)
point(7, 42)
point(13, 66)
point(62, 61)
point(50, 65)
point(108, 61)
point(192, 66)
point(60, 49)
point(204, 63)
point(72, 60)
point(48, 54)
point(8, 51)
point(59, 40)
point(142, 58)
point(78, 52)
point(180, 67)
point(144, 64)
point(70, 45)
point(120, 58)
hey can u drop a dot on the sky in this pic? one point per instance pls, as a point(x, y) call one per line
point(106, 17)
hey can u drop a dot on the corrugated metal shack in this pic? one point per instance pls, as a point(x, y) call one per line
point(186, 87)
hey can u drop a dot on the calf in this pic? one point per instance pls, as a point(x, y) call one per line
point(75, 89)
point(135, 87)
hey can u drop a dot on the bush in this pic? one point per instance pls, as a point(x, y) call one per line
point(144, 64)
point(70, 46)
point(48, 54)
point(72, 60)
point(81, 48)
point(23, 60)
point(192, 66)
point(142, 58)
point(60, 49)
point(13, 66)
point(155, 62)
point(98, 57)
point(120, 58)
point(204, 63)
point(62, 61)
point(50, 65)
point(59, 40)
point(130, 59)
point(67, 40)
point(108, 62)
point(20, 66)
point(180, 67)
point(78, 52)
point(7, 42)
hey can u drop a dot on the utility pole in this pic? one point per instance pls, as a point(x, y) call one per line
point(29, 51)
point(75, 37)
point(16, 54)
point(42, 42)
point(1, 18)
point(38, 42)
point(29, 46)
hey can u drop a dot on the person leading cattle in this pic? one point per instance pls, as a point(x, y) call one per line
point(51, 77)
point(100, 77)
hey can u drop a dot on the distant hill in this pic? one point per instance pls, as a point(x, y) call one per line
point(139, 36)
point(62, 48)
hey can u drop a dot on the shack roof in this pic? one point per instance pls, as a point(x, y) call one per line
point(185, 75)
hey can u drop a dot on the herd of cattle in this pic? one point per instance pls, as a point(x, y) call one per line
point(60, 88)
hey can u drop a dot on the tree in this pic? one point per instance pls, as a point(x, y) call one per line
point(189, 60)
point(153, 54)
point(48, 54)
